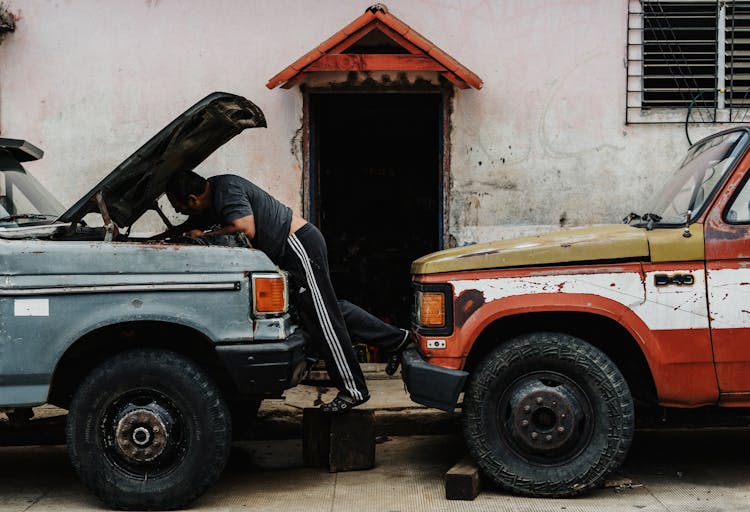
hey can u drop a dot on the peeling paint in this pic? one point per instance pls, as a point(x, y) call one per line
point(660, 308)
point(467, 303)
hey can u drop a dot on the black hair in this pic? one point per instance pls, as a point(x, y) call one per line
point(185, 183)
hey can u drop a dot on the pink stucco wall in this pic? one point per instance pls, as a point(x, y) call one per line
point(89, 81)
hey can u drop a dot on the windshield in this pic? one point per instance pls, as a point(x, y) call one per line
point(692, 185)
point(23, 200)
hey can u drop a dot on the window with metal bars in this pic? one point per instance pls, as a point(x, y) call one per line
point(688, 56)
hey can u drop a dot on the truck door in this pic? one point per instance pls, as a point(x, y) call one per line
point(727, 238)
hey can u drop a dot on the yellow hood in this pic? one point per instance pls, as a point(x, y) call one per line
point(599, 243)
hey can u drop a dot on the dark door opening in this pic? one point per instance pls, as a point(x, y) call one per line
point(376, 191)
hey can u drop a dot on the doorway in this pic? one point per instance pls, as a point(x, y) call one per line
point(376, 192)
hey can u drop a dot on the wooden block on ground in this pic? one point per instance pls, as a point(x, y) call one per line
point(316, 438)
point(340, 443)
point(462, 481)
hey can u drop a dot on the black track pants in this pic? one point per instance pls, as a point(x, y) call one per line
point(327, 320)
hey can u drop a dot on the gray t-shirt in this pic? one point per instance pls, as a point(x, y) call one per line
point(235, 197)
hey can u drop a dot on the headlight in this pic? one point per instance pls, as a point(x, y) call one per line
point(269, 293)
point(431, 309)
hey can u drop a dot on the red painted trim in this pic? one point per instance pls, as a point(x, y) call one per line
point(361, 62)
point(732, 359)
point(400, 39)
point(681, 361)
point(357, 24)
point(352, 39)
point(557, 302)
point(529, 272)
point(728, 247)
point(731, 345)
point(393, 22)
point(727, 241)
point(674, 265)
point(394, 28)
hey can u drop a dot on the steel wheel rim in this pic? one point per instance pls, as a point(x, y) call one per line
point(144, 433)
point(545, 418)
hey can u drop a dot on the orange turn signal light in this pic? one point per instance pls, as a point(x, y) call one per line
point(432, 309)
point(270, 294)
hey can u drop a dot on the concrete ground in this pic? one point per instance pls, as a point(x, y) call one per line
point(679, 471)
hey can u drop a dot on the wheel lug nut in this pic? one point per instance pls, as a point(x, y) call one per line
point(526, 408)
point(548, 437)
point(534, 435)
point(539, 400)
point(561, 429)
point(525, 423)
point(562, 416)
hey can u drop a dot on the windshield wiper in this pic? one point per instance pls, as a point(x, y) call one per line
point(630, 217)
point(31, 216)
point(650, 218)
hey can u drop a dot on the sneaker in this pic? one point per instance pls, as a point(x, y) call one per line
point(343, 403)
point(393, 358)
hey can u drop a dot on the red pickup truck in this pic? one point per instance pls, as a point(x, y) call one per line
point(553, 338)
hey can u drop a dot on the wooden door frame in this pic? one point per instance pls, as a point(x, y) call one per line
point(310, 210)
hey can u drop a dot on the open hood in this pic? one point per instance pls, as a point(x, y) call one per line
point(135, 185)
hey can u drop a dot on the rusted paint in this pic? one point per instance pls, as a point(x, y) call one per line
point(530, 272)
point(594, 269)
point(466, 304)
point(727, 241)
point(722, 231)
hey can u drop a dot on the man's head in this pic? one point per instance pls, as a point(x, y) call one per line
point(188, 192)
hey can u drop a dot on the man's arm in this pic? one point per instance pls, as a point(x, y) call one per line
point(242, 225)
point(174, 231)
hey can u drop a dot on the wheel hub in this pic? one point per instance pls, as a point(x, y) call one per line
point(143, 434)
point(544, 418)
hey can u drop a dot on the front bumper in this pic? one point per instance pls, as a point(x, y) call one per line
point(430, 385)
point(266, 368)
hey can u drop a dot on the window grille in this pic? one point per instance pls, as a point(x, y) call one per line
point(688, 60)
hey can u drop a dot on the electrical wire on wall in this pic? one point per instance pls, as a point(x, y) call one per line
point(687, 117)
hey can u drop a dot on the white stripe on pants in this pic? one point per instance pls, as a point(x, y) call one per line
point(324, 319)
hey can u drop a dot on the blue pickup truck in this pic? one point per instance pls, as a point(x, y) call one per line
point(154, 347)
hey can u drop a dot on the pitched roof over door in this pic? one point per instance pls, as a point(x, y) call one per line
point(376, 41)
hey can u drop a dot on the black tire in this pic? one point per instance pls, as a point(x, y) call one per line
point(148, 429)
point(547, 415)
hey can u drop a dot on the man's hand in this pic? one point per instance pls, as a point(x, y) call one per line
point(244, 225)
